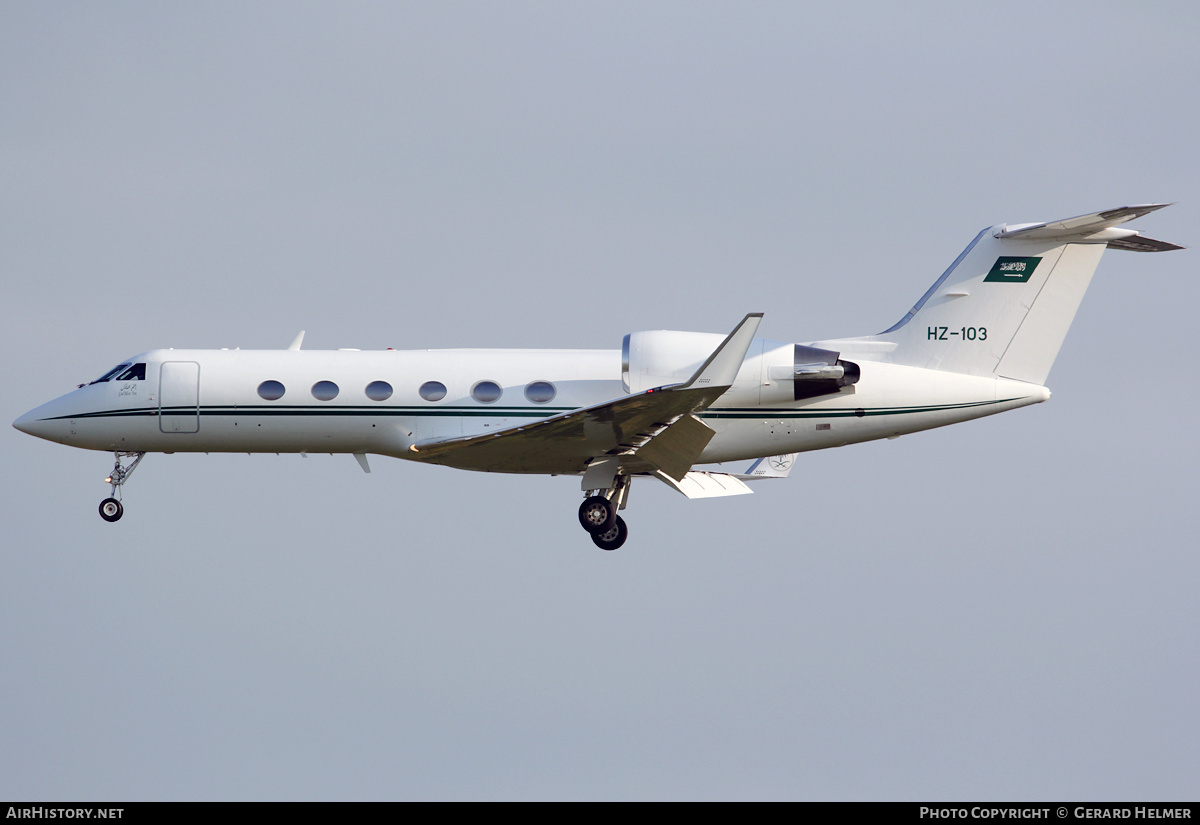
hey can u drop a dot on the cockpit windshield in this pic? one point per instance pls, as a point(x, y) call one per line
point(123, 372)
point(108, 376)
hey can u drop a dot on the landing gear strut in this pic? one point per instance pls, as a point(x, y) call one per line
point(598, 514)
point(110, 508)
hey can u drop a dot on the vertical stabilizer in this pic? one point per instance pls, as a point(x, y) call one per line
point(1004, 306)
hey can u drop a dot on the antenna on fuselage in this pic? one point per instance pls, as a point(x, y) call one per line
point(298, 341)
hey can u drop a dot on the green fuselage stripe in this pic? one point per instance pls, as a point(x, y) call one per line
point(515, 412)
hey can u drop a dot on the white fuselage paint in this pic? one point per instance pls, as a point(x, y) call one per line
point(207, 401)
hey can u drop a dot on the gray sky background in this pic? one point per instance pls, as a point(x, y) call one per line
point(1003, 610)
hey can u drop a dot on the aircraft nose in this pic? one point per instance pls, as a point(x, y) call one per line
point(43, 422)
point(28, 423)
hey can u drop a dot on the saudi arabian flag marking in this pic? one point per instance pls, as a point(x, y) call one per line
point(1012, 270)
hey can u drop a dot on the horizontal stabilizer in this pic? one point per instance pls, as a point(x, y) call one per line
point(705, 485)
point(1097, 227)
point(1140, 243)
point(773, 466)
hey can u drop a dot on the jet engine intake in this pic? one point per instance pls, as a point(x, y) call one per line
point(659, 357)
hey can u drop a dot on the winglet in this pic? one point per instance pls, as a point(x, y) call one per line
point(299, 339)
point(722, 366)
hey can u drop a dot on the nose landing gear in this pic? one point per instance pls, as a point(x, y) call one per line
point(110, 508)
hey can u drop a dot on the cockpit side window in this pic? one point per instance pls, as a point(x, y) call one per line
point(135, 373)
point(108, 376)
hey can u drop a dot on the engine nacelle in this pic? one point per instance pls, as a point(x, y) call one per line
point(773, 372)
point(814, 372)
point(663, 356)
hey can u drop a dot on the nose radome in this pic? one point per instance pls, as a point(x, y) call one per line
point(27, 423)
point(45, 421)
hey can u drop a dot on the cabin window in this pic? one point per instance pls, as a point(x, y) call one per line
point(324, 390)
point(270, 390)
point(108, 376)
point(379, 390)
point(540, 392)
point(486, 391)
point(433, 391)
point(135, 373)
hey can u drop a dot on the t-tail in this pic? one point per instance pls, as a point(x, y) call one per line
point(1004, 306)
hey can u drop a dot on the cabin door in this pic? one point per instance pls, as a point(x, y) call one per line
point(179, 397)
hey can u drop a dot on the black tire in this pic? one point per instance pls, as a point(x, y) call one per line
point(111, 509)
point(597, 514)
point(613, 538)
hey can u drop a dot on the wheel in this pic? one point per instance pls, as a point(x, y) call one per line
point(612, 539)
point(597, 514)
point(111, 509)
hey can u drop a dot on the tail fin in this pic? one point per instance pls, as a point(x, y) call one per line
point(1005, 304)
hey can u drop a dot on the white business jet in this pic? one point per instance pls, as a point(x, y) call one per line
point(980, 341)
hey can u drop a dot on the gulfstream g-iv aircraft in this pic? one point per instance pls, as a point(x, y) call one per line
point(980, 341)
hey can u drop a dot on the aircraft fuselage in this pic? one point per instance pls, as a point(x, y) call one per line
point(210, 401)
point(981, 340)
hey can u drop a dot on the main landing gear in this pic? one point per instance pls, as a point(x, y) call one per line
point(612, 538)
point(110, 508)
point(598, 514)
